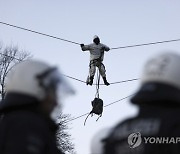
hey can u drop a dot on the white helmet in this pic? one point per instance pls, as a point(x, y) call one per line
point(164, 68)
point(34, 78)
point(160, 79)
point(97, 144)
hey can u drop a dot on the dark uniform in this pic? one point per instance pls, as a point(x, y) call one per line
point(24, 129)
point(158, 124)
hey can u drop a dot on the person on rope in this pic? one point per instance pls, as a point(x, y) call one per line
point(96, 58)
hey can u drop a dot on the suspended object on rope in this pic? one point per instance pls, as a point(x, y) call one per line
point(97, 108)
point(97, 103)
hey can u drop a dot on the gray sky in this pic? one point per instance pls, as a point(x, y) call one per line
point(117, 23)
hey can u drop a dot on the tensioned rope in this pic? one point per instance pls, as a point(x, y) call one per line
point(7, 24)
point(104, 106)
point(73, 78)
point(101, 84)
point(122, 47)
point(145, 44)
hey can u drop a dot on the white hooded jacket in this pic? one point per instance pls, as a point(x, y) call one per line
point(96, 50)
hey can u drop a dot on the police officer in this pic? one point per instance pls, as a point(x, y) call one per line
point(156, 128)
point(96, 59)
point(31, 96)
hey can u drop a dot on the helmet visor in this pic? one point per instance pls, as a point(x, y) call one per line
point(52, 79)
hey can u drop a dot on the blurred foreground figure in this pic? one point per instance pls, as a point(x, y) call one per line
point(96, 59)
point(26, 126)
point(156, 128)
point(96, 141)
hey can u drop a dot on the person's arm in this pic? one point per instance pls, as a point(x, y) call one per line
point(105, 48)
point(84, 47)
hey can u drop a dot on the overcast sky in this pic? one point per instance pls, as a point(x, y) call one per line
point(117, 23)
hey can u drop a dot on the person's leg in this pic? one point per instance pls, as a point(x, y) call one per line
point(92, 70)
point(102, 71)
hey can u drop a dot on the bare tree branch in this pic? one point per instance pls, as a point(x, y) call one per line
point(9, 57)
point(63, 137)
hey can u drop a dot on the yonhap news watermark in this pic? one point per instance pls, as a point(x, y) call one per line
point(135, 140)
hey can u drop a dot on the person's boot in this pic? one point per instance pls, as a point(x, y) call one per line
point(105, 81)
point(91, 80)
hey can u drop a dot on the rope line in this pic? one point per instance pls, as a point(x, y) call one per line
point(74, 78)
point(7, 24)
point(103, 83)
point(145, 44)
point(77, 117)
point(129, 46)
point(118, 100)
point(104, 106)
point(123, 81)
